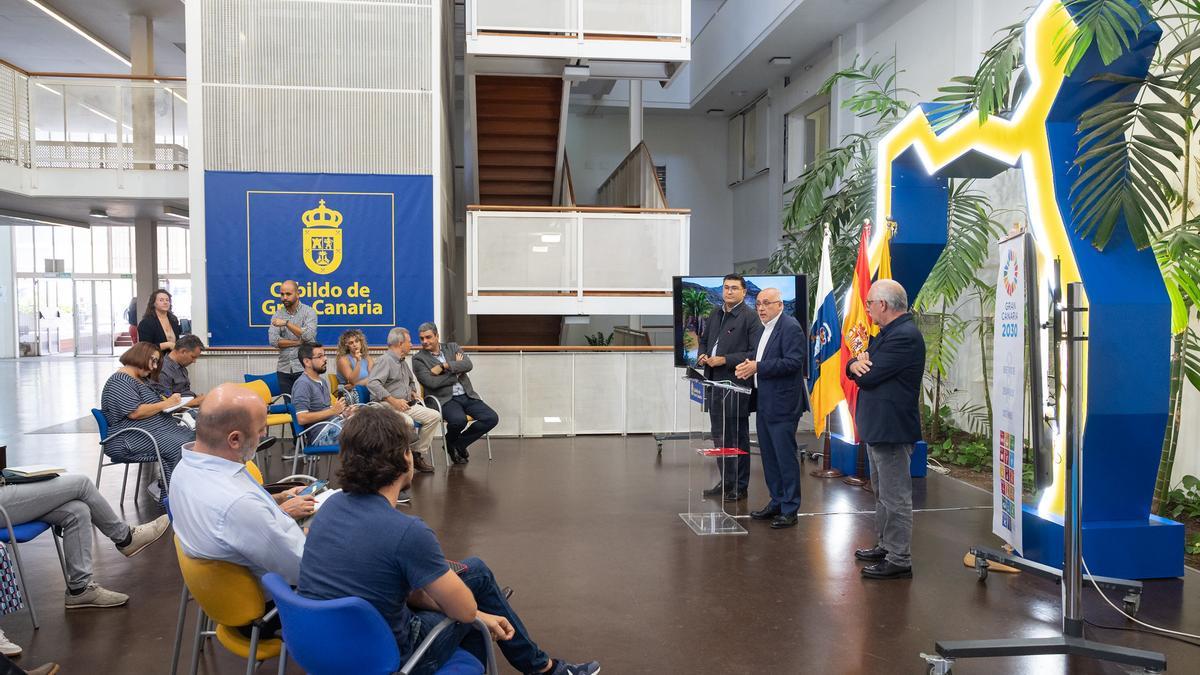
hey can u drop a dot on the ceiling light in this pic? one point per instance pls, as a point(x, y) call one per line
point(44, 220)
point(98, 213)
point(780, 61)
point(175, 213)
point(551, 238)
point(541, 249)
point(81, 31)
point(715, 112)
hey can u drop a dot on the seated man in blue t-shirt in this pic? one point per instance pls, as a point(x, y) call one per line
point(311, 397)
point(359, 545)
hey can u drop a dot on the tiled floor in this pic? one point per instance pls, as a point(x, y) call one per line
point(586, 530)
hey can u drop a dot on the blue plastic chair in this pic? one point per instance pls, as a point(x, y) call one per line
point(348, 635)
point(311, 453)
point(102, 426)
point(272, 380)
point(364, 394)
point(13, 535)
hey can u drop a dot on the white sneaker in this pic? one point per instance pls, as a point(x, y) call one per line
point(405, 497)
point(96, 596)
point(145, 534)
point(8, 647)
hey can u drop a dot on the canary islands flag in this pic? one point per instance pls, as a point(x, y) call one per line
point(825, 362)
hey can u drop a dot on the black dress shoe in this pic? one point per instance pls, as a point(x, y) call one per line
point(887, 570)
point(875, 553)
point(765, 513)
point(734, 496)
point(715, 490)
point(784, 520)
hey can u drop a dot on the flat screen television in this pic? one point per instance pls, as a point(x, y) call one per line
point(695, 298)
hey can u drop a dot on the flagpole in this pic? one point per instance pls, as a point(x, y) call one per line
point(827, 470)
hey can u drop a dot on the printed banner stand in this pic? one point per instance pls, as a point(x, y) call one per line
point(1008, 391)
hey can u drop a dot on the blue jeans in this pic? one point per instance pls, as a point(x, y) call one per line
point(520, 651)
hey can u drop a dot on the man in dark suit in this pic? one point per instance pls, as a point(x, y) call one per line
point(889, 421)
point(778, 369)
point(442, 370)
point(728, 339)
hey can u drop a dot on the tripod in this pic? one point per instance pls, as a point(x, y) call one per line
point(1071, 642)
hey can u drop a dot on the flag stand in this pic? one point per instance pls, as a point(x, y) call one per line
point(827, 470)
point(860, 468)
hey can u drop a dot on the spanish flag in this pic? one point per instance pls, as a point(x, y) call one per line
point(826, 336)
point(858, 328)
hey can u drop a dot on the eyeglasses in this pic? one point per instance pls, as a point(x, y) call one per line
point(770, 302)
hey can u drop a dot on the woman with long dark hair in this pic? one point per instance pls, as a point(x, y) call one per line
point(128, 400)
point(159, 325)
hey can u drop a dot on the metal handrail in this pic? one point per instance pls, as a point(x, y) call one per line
point(102, 137)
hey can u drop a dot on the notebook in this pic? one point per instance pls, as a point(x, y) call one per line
point(31, 470)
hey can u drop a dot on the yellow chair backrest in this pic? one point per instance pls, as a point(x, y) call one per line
point(228, 593)
point(255, 472)
point(258, 387)
point(333, 386)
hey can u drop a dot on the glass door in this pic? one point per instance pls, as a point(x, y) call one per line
point(93, 317)
point(27, 317)
point(55, 317)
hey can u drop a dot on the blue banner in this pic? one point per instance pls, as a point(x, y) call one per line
point(359, 246)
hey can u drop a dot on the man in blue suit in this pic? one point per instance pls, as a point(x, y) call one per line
point(778, 370)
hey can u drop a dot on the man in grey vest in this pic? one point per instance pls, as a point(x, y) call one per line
point(442, 370)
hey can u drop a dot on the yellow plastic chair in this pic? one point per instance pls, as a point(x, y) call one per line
point(229, 595)
point(333, 386)
point(260, 388)
point(283, 419)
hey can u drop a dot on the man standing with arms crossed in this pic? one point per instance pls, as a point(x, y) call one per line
point(293, 323)
point(889, 422)
point(778, 371)
point(729, 338)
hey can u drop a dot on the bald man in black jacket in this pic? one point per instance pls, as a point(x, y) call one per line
point(888, 417)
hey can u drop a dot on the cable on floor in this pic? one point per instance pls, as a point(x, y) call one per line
point(1167, 633)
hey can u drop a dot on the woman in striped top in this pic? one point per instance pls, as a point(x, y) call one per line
point(128, 401)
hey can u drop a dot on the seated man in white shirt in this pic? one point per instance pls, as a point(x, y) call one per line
point(219, 511)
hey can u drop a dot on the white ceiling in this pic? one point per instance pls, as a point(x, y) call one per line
point(808, 30)
point(32, 40)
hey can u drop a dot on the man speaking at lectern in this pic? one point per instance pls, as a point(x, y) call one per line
point(728, 339)
point(778, 372)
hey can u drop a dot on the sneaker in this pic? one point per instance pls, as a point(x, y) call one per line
point(8, 647)
point(96, 596)
point(404, 498)
point(154, 491)
point(563, 668)
point(143, 535)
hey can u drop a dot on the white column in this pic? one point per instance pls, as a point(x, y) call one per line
point(196, 241)
point(141, 53)
point(8, 295)
point(635, 113)
point(145, 258)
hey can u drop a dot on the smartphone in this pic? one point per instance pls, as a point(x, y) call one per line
point(314, 488)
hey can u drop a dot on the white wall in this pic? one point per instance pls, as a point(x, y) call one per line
point(693, 149)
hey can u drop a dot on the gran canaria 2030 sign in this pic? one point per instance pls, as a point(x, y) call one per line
point(359, 247)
